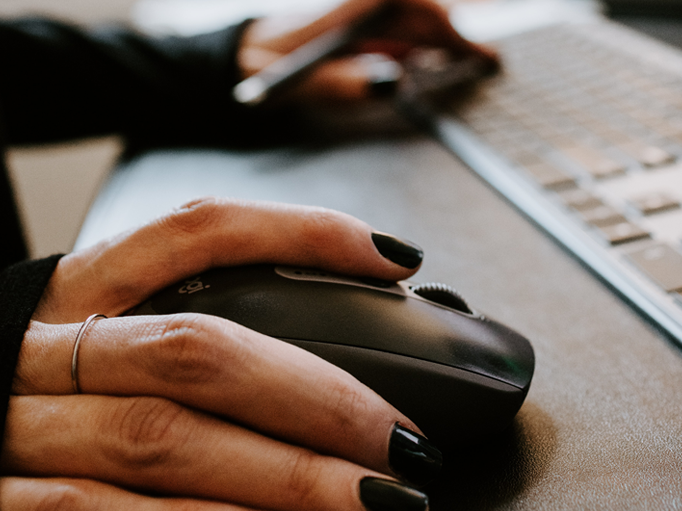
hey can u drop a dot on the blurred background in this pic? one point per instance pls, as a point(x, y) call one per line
point(77, 10)
point(55, 184)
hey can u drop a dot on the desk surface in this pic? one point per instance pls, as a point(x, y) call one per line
point(601, 425)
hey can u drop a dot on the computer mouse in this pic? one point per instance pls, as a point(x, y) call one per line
point(458, 375)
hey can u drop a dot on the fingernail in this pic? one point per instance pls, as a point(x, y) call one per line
point(384, 495)
point(382, 87)
point(384, 75)
point(413, 457)
point(403, 253)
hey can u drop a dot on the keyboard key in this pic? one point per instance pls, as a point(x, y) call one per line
point(623, 232)
point(652, 203)
point(580, 199)
point(526, 158)
point(550, 176)
point(613, 136)
point(649, 156)
point(597, 164)
point(602, 216)
point(678, 298)
point(652, 156)
point(661, 263)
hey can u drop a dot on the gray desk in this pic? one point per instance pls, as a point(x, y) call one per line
point(602, 424)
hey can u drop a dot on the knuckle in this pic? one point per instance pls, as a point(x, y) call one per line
point(184, 349)
point(145, 432)
point(302, 478)
point(193, 216)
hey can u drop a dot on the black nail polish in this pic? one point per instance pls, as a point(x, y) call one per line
point(403, 253)
point(384, 495)
point(413, 457)
point(381, 87)
point(384, 75)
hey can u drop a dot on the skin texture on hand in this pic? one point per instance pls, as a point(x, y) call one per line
point(413, 24)
point(193, 406)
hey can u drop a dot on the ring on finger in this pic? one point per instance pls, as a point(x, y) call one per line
point(76, 346)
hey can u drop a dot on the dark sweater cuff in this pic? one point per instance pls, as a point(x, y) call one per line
point(21, 287)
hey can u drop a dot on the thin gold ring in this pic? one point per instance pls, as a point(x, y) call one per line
point(76, 346)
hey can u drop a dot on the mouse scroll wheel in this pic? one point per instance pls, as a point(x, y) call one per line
point(443, 295)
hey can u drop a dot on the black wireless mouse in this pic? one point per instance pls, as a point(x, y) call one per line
point(458, 375)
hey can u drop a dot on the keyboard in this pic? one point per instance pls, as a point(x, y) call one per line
point(582, 131)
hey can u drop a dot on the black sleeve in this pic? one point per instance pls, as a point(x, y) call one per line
point(59, 81)
point(21, 287)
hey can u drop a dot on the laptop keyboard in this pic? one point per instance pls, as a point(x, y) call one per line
point(583, 132)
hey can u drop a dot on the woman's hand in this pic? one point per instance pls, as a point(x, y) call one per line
point(193, 411)
point(412, 24)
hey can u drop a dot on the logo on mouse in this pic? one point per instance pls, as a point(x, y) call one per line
point(192, 286)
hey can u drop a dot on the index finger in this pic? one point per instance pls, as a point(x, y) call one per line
point(120, 273)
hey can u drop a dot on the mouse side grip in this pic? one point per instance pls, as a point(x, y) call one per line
point(452, 406)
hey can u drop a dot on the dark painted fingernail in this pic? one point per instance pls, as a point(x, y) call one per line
point(384, 495)
point(384, 75)
point(413, 457)
point(403, 253)
point(382, 87)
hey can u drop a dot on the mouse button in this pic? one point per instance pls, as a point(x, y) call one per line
point(451, 406)
point(374, 282)
point(337, 314)
point(313, 310)
point(210, 291)
point(307, 274)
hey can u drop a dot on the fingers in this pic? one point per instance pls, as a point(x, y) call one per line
point(410, 25)
point(351, 78)
point(283, 34)
point(222, 368)
point(426, 23)
point(417, 22)
point(23, 494)
point(118, 274)
point(151, 444)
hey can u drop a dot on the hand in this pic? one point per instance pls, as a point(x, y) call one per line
point(193, 411)
point(414, 24)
